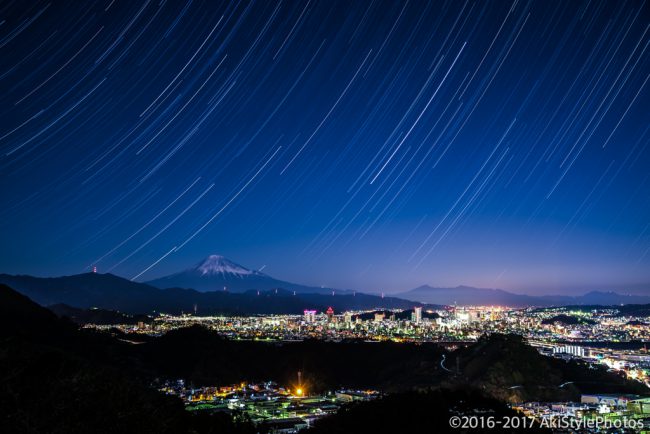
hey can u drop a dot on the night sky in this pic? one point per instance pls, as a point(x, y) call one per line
point(376, 145)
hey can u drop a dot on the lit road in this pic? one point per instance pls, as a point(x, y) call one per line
point(442, 363)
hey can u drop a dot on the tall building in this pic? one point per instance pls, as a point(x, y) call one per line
point(310, 316)
point(417, 314)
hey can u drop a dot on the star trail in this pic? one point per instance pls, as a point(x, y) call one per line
point(374, 145)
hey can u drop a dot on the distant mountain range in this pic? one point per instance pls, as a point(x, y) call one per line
point(217, 285)
point(466, 295)
point(111, 292)
point(216, 273)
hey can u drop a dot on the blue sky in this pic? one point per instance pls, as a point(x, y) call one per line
point(371, 145)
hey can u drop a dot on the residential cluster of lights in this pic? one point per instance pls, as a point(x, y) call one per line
point(266, 403)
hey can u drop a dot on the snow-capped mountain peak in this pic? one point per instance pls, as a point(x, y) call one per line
point(216, 273)
point(217, 264)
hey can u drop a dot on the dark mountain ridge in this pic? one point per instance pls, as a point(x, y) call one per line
point(466, 295)
point(107, 291)
point(96, 315)
point(53, 379)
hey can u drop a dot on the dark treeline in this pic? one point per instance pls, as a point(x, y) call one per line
point(203, 357)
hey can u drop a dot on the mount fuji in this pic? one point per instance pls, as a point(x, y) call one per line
point(217, 273)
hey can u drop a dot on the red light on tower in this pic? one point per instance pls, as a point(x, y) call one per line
point(95, 269)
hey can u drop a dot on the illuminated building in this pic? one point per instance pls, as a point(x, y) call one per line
point(310, 316)
point(329, 313)
point(574, 350)
point(417, 315)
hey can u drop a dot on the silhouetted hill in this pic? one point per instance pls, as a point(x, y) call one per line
point(610, 298)
point(86, 290)
point(97, 315)
point(505, 367)
point(468, 296)
point(21, 317)
point(203, 357)
point(51, 383)
point(640, 310)
point(111, 292)
point(417, 412)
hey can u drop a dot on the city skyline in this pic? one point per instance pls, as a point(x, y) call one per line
point(369, 146)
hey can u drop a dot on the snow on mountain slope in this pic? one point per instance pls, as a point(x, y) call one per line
point(217, 264)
